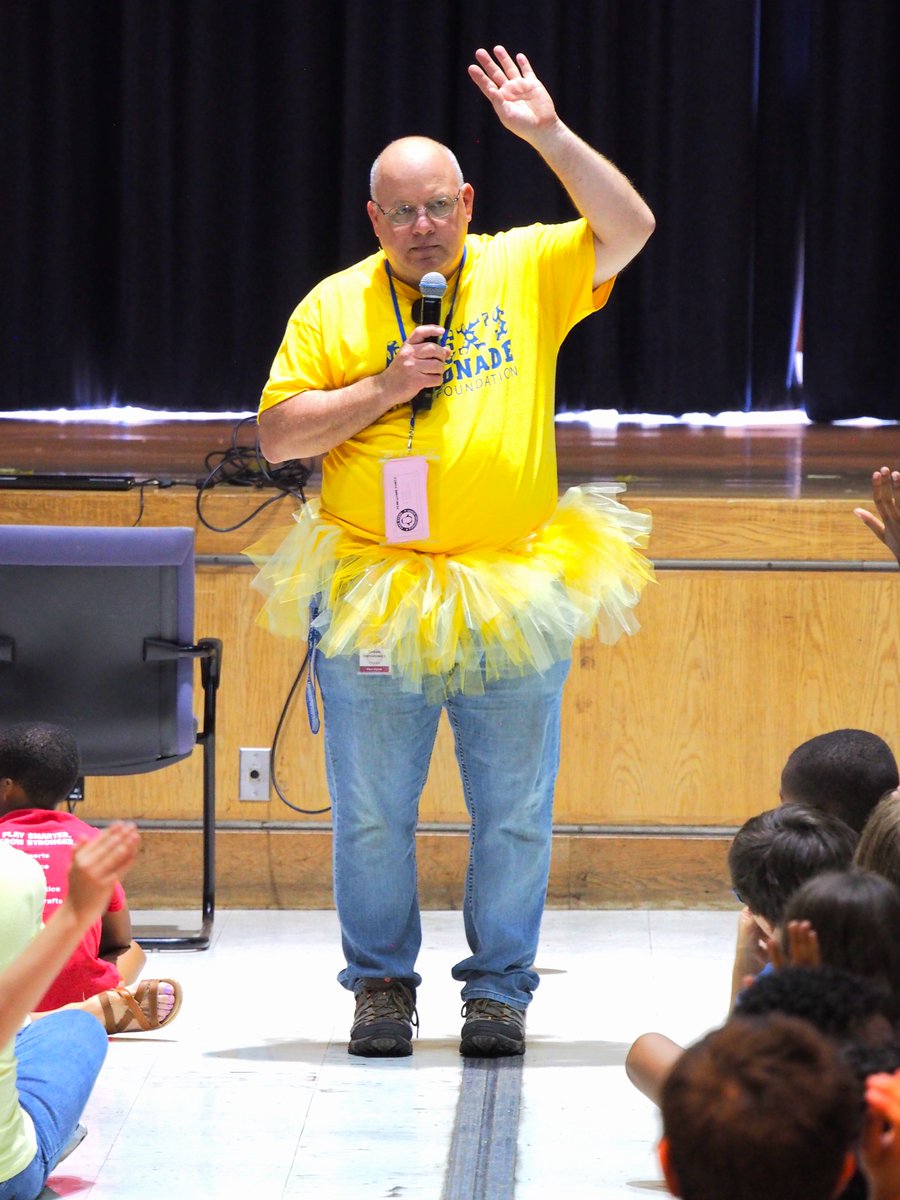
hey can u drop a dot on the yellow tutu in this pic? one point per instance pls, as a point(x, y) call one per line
point(453, 621)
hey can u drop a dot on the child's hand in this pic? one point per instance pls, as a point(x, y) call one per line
point(802, 947)
point(751, 949)
point(777, 957)
point(803, 944)
point(879, 1147)
point(883, 1096)
point(95, 867)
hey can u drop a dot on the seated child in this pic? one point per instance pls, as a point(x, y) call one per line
point(852, 918)
point(762, 1107)
point(766, 1107)
point(47, 1069)
point(39, 764)
point(770, 856)
point(844, 772)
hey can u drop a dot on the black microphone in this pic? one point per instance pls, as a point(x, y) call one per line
point(432, 286)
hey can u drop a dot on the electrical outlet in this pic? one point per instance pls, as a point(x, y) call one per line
point(254, 774)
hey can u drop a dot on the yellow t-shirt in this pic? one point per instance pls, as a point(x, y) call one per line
point(22, 891)
point(489, 437)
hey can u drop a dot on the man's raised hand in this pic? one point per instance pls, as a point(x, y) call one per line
point(518, 97)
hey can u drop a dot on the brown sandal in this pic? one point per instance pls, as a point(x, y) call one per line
point(134, 1019)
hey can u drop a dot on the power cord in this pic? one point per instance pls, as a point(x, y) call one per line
point(310, 812)
point(240, 466)
point(244, 466)
point(143, 483)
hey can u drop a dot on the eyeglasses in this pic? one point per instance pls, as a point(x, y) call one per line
point(405, 214)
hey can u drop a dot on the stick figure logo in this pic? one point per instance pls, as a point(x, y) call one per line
point(407, 519)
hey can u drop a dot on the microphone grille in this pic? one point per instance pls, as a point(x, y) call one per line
point(433, 285)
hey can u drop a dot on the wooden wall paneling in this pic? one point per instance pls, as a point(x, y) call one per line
point(723, 527)
point(687, 723)
point(690, 722)
point(685, 527)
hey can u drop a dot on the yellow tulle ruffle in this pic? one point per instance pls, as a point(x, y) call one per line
point(511, 611)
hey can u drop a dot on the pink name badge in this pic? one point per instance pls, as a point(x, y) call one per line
point(405, 499)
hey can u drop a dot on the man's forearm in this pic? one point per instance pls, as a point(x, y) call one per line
point(620, 220)
point(312, 423)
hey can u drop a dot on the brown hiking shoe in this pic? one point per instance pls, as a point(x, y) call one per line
point(491, 1029)
point(384, 1019)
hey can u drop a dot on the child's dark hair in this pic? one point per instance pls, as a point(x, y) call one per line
point(840, 1003)
point(776, 851)
point(844, 772)
point(43, 759)
point(856, 917)
point(764, 1106)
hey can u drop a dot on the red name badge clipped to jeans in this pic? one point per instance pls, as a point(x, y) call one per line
point(405, 499)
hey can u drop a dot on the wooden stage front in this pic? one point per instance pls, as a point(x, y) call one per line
point(773, 619)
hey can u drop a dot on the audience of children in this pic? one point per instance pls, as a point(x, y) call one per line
point(805, 902)
point(48, 1068)
point(39, 764)
point(767, 1105)
point(771, 854)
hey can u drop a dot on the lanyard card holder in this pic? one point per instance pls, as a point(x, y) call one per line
point(405, 499)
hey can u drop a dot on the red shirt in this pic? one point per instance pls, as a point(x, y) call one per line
point(49, 835)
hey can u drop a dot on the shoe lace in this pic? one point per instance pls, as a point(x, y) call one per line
point(489, 1010)
point(387, 1004)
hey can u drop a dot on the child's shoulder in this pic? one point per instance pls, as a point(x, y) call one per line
point(47, 820)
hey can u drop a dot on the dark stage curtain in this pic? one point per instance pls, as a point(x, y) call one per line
point(852, 293)
point(177, 173)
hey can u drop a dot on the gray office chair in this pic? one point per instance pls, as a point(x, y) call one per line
point(97, 634)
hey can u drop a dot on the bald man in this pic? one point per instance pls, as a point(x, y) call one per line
point(439, 570)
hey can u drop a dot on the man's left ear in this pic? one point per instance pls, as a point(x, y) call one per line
point(468, 199)
point(665, 1161)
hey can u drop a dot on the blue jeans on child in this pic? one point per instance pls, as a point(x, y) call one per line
point(59, 1058)
point(378, 744)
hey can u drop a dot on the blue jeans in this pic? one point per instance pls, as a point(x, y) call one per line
point(59, 1058)
point(378, 744)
